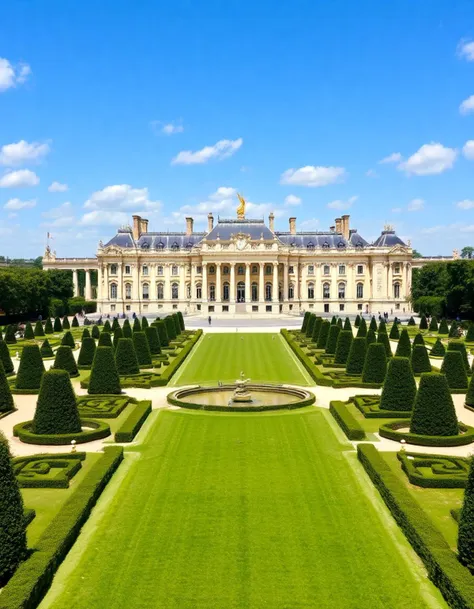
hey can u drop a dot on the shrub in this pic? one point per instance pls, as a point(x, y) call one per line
point(46, 350)
point(357, 321)
point(418, 340)
point(356, 359)
point(105, 340)
point(332, 339)
point(28, 334)
point(420, 362)
point(433, 327)
point(433, 412)
point(306, 317)
point(344, 341)
point(399, 390)
point(454, 370)
point(438, 349)
point(404, 345)
point(66, 324)
point(104, 378)
point(333, 320)
point(58, 326)
point(126, 358)
point(118, 334)
point(177, 327)
point(137, 327)
point(31, 368)
point(5, 358)
point(453, 330)
point(87, 352)
point(10, 334)
point(153, 340)
point(171, 329)
point(469, 401)
point(146, 325)
point(347, 324)
point(107, 327)
point(12, 521)
point(443, 327)
point(181, 321)
point(423, 323)
point(382, 327)
point(56, 408)
point(316, 329)
point(394, 332)
point(68, 340)
point(48, 326)
point(75, 322)
point(132, 424)
point(339, 323)
point(85, 334)
point(459, 345)
point(39, 330)
point(6, 398)
point(466, 523)
point(470, 333)
point(142, 349)
point(310, 325)
point(383, 339)
point(162, 332)
point(362, 331)
point(323, 334)
point(371, 337)
point(95, 332)
point(115, 324)
point(375, 365)
point(64, 360)
point(346, 420)
point(127, 329)
point(373, 324)
point(411, 321)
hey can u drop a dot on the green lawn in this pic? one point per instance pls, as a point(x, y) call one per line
point(241, 511)
point(263, 357)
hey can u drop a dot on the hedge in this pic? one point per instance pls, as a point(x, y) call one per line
point(399, 390)
point(332, 339)
point(460, 345)
point(118, 334)
point(92, 430)
point(453, 330)
point(470, 333)
point(6, 399)
point(304, 325)
point(357, 321)
point(162, 332)
point(404, 345)
point(433, 327)
point(371, 337)
point(344, 341)
point(181, 321)
point(375, 365)
point(420, 361)
point(346, 420)
point(58, 326)
point(126, 358)
point(31, 368)
point(443, 327)
point(142, 349)
point(356, 359)
point(316, 329)
point(362, 331)
point(411, 321)
point(75, 322)
point(85, 334)
point(418, 340)
point(347, 324)
point(28, 333)
point(87, 352)
point(133, 423)
point(115, 325)
point(310, 367)
point(64, 360)
point(10, 334)
point(177, 326)
point(454, 581)
point(179, 359)
point(394, 332)
point(127, 329)
point(383, 339)
point(137, 327)
point(382, 327)
point(433, 411)
point(104, 378)
point(39, 330)
point(66, 465)
point(469, 401)
point(170, 327)
point(34, 576)
point(66, 324)
point(56, 409)
point(323, 334)
point(373, 324)
point(153, 340)
point(466, 524)
point(423, 323)
point(105, 339)
point(107, 327)
point(68, 340)
point(48, 326)
point(454, 370)
point(5, 358)
point(434, 471)
point(438, 349)
point(95, 332)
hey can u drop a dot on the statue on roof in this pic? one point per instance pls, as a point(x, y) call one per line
point(241, 208)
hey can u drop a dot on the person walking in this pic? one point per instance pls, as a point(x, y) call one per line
point(209, 320)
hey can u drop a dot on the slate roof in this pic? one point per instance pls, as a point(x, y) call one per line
point(224, 229)
point(388, 238)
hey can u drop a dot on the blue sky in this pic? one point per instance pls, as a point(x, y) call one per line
point(170, 108)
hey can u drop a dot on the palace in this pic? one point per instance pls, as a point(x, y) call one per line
point(246, 266)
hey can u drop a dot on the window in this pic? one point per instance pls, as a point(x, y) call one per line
point(341, 290)
point(396, 290)
point(254, 308)
point(199, 270)
point(226, 289)
point(174, 270)
point(240, 270)
point(341, 307)
point(254, 269)
point(212, 270)
point(175, 246)
point(199, 291)
point(268, 309)
point(291, 269)
point(225, 270)
point(359, 307)
point(145, 291)
point(311, 269)
point(145, 269)
point(212, 292)
point(113, 290)
point(397, 306)
point(254, 292)
point(326, 290)
point(113, 269)
point(360, 269)
point(268, 291)
point(326, 269)
point(210, 308)
point(128, 291)
point(127, 307)
point(127, 269)
point(112, 307)
point(225, 308)
point(174, 291)
point(326, 308)
point(160, 291)
point(342, 269)
point(291, 291)
point(360, 290)
point(310, 245)
point(159, 270)
point(145, 307)
point(268, 269)
point(310, 291)
point(396, 268)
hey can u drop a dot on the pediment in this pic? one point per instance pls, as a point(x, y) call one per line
point(399, 249)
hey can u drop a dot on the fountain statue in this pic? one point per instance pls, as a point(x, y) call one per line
point(241, 393)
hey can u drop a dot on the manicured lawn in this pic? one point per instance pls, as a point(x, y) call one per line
point(241, 512)
point(262, 357)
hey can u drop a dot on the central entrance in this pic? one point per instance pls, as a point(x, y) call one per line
point(241, 291)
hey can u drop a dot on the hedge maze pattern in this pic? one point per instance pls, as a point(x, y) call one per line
point(47, 471)
point(435, 471)
point(105, 407)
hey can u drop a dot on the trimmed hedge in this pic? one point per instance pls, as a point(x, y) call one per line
point(5, 358)
point(118, 334)
point(423, 323)
point(142, 349)
point(382, 327)
point(453, 330)
point(394, 332)
point(179, 359)
point(162, 332)
point(56, 408)
point(170, 327)
point(87, 352)
point(39, 330)
point(107, 327)
point(10, 337)
point(153, 339)
point(470, 333)
point(371, 337)
point(310, 367)
point(64, 360)
point(104, 378)
point(375, 365)
point(177, 326)
point(399, 390)
point(404, 345)
point(466, 524)
point(92, 430)
point(146, 325)
point(46, 350)
point(434, 471)
point(58, 326)
point(75, 322)
point(344, 341)
point(433, 411)
point(6, 399)
point(323, 334)
point(133, 423)
point(115, 324)
point(31, 368)
point(127, 329)
point(95, 332)
point(357, 321)
point(137, 327)
point(438, 349)
point(383, 339)
point(68, 340)
point(356, 359)
point(347, 324)
point(362, 331)
point(469, 401)
point(85, 334)
point(454, 370)
point(33, 578)
point(304, 325)
point(332, 339)
point(105, 339)
point(316, 330)
point(420, 361)
point(48, 326)
point(418, 340)
point(433, 327)
point(411, 321)
point(373, 324)
point(181, 321)
point(29, 333)
point(346, 421)
point(459, 345)
point(443, 327)
point(126, 358)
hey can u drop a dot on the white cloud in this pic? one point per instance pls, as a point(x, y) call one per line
point(339, 204)
point(11, 76)
point(466, 204)
point(468, 150)
point(22, 152)
point(371, 173)
point(58, 187)
point(101, 217)
point(162, 128)
point(395, 157)
point(220, 150)
point(292, 200)
point(312, 176)
point(416, 205)
point(466, 50)
point(309, 224)
point(60, 216)
point(467, 105)
point(122, 196)
point(19, 179)
point(430, 159)
point(17, 204)
point(397, 210)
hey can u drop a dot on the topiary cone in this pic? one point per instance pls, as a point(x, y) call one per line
point(95, 332)
point(87, 352)
point(371, 337)
point(115, 324)
point(68, 340)
point(356, 359)
point(107, 327)
point(56, 408)
point(420, 362)
point(323, 334)
point(177, 327)
point(142, 349)
point(347, 324)
point(438, 349)
point(39, 330)
point(75, 322)
point(146, 325)
point(118, 334)
point(46, 350)
point(375, 365)
point(104, 378)
point(316, 329)
point(162, 332)
point(29, 334)
point(85, 334)
point(48, 326)
point(459, 345)
point(10, 337)
point(443, 327)
point(433, 412)
point(137, 327)
point(423, 323)
point(153, 340)
point(66, 324)
point(411, 321)
point(357, 321)
point(469, 401)
point(382, 327)
point(383, 339)
point(344, 342)
point(181, 321)
point(105, 340)
point(362, 331)
point(306, 317)
point(418, 340)
point(127, 329)
point(433, 327)
point(404, 345)
point(470, 333)
point(454, 370)
point(373, 324)
point(399, 389)
point(5, 358)
point(466, 523)
point(58, 326)
point(64, 360)
point(6, 399)
point(126, 358)
point(453, 330)
point(31, 368)
point(394, 332)
point(170, 328)
point(331, 343)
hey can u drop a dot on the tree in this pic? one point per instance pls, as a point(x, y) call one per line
point(95, 332)
point(375, 365)
point(105, 340)
point(443, 327)
point(107, 327)
point(433, 412)
point(373, 324)
point(356, 359)
point(399, 390)
point(66, 324)
point(31, 369)
point(316, 329)
point(64, 360)
point(419, 340)
point(347, 324)
point(371, 337)
point(383, 338)
point(420, 362)
point(10, 334)
point(162, 332)
point(323, 334)
point(332, 339)
point(357, 321)
point(466, 523)
point(12, 521)
point(87, 352)
point(85, 334)
point(5, 358)
point(56, 409)
point(469, 401)
point(433, 327)
point(118, 334)
point(104, 378)
point(137, 327)
point(305, 321)
point(6, 399)
point(126, 358)
point(344, 341)
point(416, 254)
point(453, 368)
point(142, 349)
point(423, 323)
point(467, 252)
point(394, 332)
point(58, 326)
point(404, 345)
point(29, 333)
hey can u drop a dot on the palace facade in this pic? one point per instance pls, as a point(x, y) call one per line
point(246, 266)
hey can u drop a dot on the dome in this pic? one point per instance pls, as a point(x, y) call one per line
point(388, 238)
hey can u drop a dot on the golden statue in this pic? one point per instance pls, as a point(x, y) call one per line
point(241, 208)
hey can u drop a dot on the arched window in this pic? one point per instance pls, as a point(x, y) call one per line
point(341, 290)
point(254, 269)
point(145, 269)
point(145, 291)
point(240, 270)
point(254, 291)
point(159, 270)
point(326, 269)
point(326, 290)
point(199, 291)
point(113, 269)
point(360, 290)
point(268, 291)
point(174, 291)
point(113, 290)
point(128, 291)
point(396, 290)
point(160, 291)
point(310, 291)
point(212, 292)
point(225, 291)
point(291, 291)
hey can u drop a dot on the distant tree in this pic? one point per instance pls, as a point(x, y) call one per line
point(467, 252)
point(416, 254)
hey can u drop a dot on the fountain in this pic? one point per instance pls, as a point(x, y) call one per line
point(241, 393)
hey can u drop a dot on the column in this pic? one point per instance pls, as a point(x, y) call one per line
point(406, 282)
point(119, 281)
point(285, 282)
point(390, 281)
point(136, 281)
point(350, 287)
point(88, 291)
point(182, 283)
point(99, 283)
point(205, 295)
point(275, 282)
point(167, 281)
point(261, 283)
point(248, 289)
point(232, 282)
point(75, 282)
point(218, 283)
point(106, 291)
point(193, 281)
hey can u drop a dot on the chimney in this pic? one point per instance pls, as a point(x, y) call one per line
point(210, 222)
point(292, 226)
point(189, 226)
point(137, 227)
point(345, 226)
point(332, 228)
point(271, 222)
point(338, 222)
point(144, 225)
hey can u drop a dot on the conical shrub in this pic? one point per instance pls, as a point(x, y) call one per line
point(87, 352)
point(58, 326)
point(137, 327)
point(64, 360)
point(115, 324)
point(347, 324)
point(68, 340)
point(453, 369)
point(95, 332)
point(371, 337)
point(5, 358)
point(339, 323)
point(105, 340)
point(470, 333)
point(443, 327)
point(438, 349)
point(170, 328)
point(310, 326)
point(466, 523)
point(66, 324)
point(107, 327)
point(142, 349)
point(433, 412)
point(344, 341)
point(454, 330)
point(411, 321)
point(181, 321)
point(56, 409)
point(177, 327)
point(39, 330)
point(333, 320)
point(469, 401)
point(362, 331)
point(127, 329)
point(48, 326)
point(13, 549)
point(404, 345)
point(126, 358)
point(29, 334)
point(10, 334)
point(418, 340)
point(104, 378)
point(146, 325)
point(394, 332)
point(399, 390)
point(382, 327)
point(316, 329)
point(118, 334)
point(383, 339)
point(332, 339)
point(420, 361)
point(46, 349)
point(75, 322)
point(306, 317)
point(459, 345)
point(356, 359)
point(433, 327)
point(162, 332)
point(373, 324)
point(323, 334)
point(31, 368)
point(6, 398)
point(423, 323)
point(375, 365)
point(153, 340)
point(357, 321)
point(85, 334)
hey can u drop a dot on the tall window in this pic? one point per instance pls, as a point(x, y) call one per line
point(342, 269)
point(159, 270)
point(291, 269)
point(240, 270)
point(254, 292)
point(113, 290)
point(113, 269)
point(128, 291)
point(268, 291)
point(326, 269)
point(225, 291)
point(199, 291)
point(174, 270)
point(326, 290)
point(360, 269)
point(310, 291)
point(212, 270)
point(396, 290)
point(341, 290)
point(396, 267)
point(360, 290)
point(160, 291)
point(291, 291)
point(268, 269)
point(254, 269)
point(225, 270)
point(127, 269)
point(188, 291)
point(145, 269)
point(174, 291)
point(311, 269)
point(212, 292)
point(145, 291)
